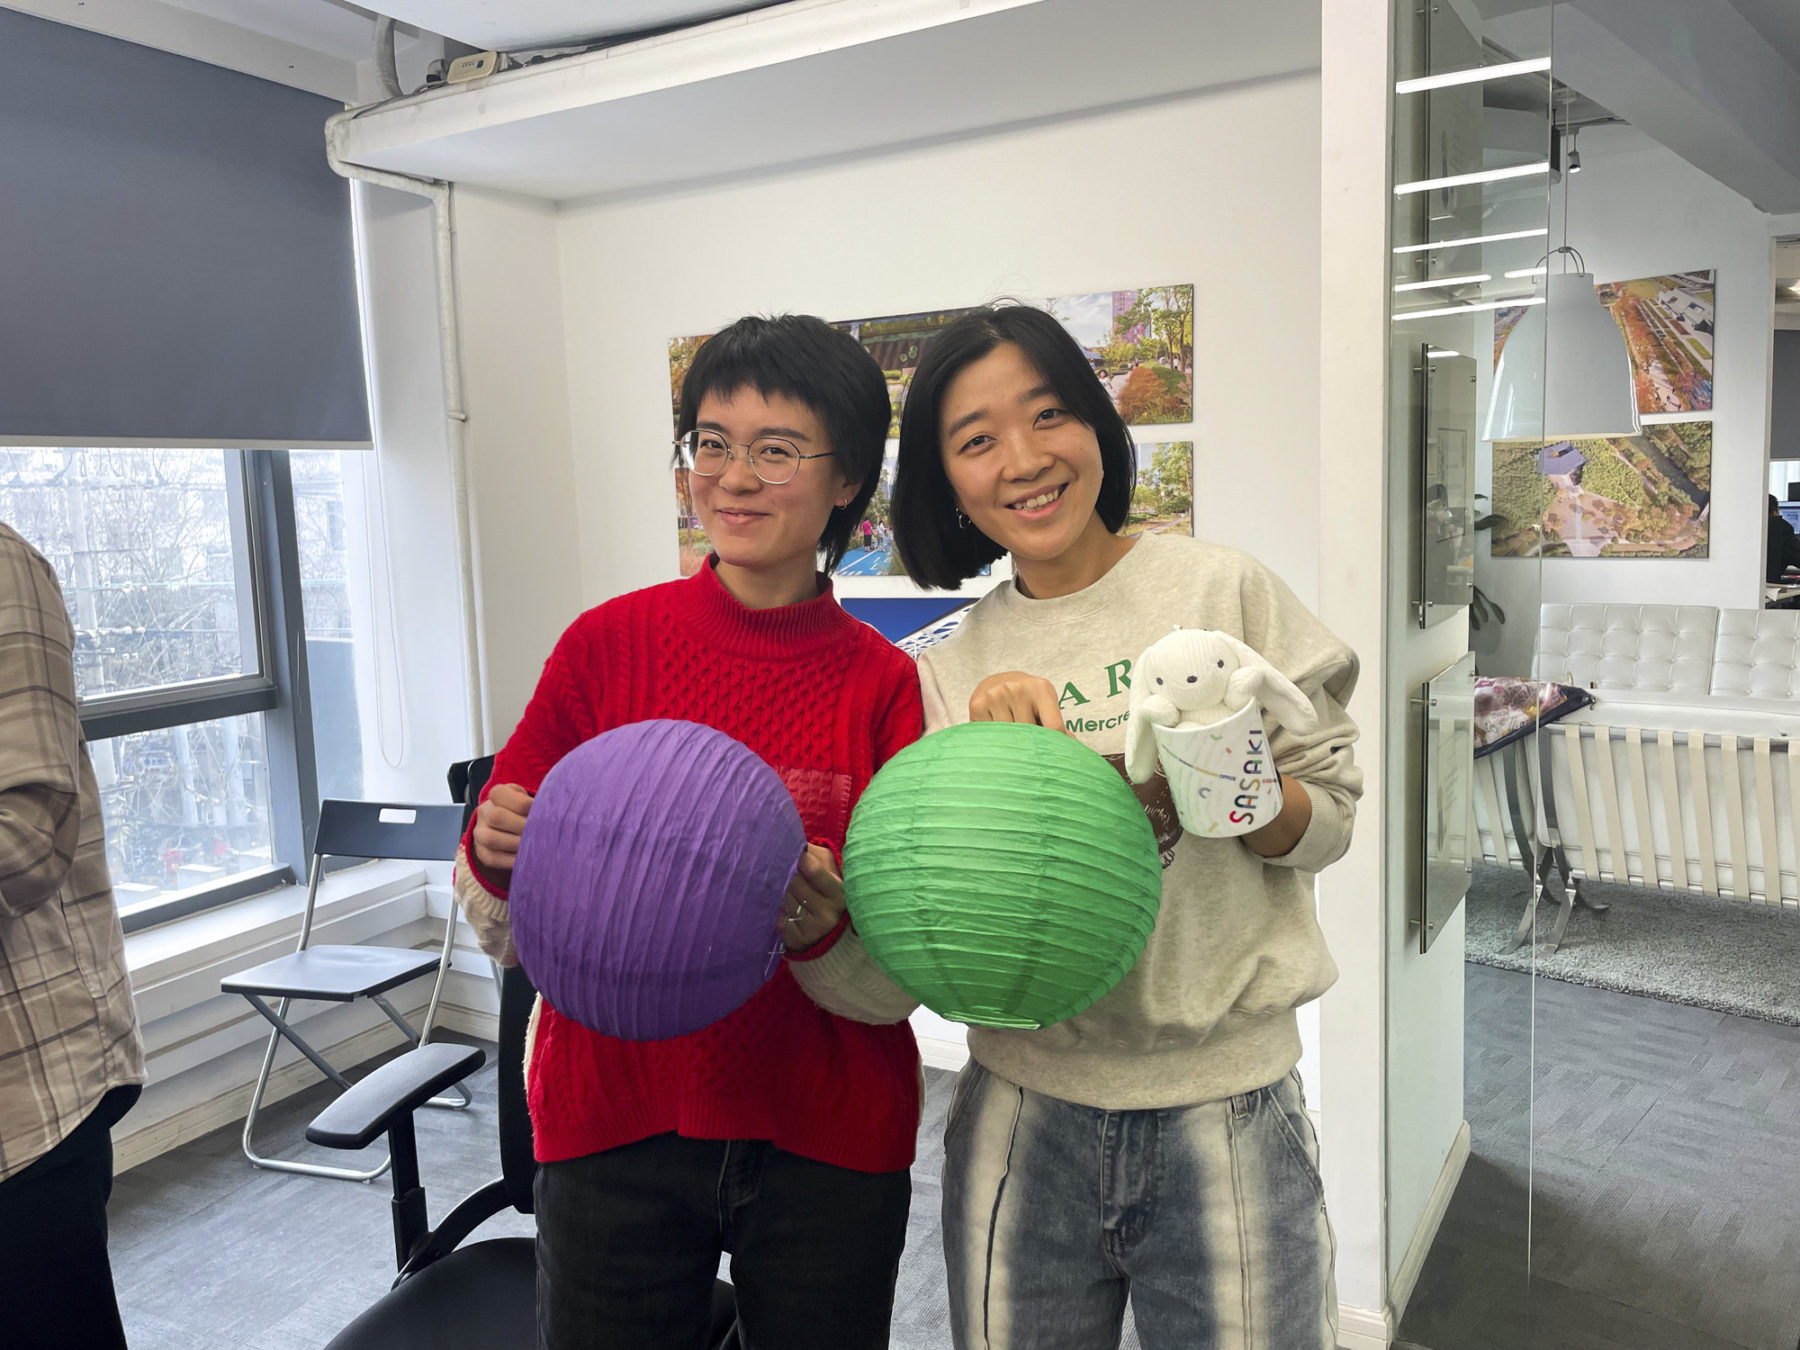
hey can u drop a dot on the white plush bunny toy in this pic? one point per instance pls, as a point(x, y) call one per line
point(1196, 677)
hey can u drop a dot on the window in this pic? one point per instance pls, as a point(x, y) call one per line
point(181, 569)
point(151, 551)
point(186, 807)
point(329, 550)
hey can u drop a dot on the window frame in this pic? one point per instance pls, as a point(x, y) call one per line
point(280, 691)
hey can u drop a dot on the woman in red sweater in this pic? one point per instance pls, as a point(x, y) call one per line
point(783, 1133)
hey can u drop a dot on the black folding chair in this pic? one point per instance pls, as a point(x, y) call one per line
point(448, 1296)
point(343, 974)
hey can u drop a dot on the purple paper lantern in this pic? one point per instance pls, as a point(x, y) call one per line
point(648, 895)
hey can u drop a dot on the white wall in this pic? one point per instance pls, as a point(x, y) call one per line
point(1353, 282)
point(521, 482)
point(1648, 212)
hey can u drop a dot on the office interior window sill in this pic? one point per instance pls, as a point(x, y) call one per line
point(169, 950)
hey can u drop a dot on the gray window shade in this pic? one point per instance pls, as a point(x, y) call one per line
point(1784, 430)
point(175, 252)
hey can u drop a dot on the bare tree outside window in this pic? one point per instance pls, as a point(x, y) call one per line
point(153, 551)
point(152, 554)
point(144, 545)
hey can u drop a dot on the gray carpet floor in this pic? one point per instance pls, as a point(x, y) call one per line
point(1675, 946)
point(1650, 1146)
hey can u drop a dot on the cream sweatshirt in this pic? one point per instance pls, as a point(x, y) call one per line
point(1208, 1010)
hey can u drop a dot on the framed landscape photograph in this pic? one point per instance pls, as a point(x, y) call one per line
point(898, 342)
point(681, 356)
point(1164, 500)
point(1141, 345)
point(1644, 496)
point(1668, 327)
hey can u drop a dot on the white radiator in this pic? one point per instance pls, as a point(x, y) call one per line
point(1708, 812)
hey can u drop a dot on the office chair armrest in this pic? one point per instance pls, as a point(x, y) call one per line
point(397, 1088)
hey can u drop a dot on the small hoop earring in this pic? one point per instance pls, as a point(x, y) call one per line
point(962, 520)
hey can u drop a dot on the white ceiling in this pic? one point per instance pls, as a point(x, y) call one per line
point(1715, 81)
point(820, 79)
point(1778, 21)
point(326, 26)
point(513, 25)
point(324, 46)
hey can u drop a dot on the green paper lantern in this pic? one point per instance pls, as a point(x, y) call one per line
point(1003, 875)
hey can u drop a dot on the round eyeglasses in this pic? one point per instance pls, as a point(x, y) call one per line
point(772, 459)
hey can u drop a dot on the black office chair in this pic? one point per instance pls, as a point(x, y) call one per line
point(345, 973)
point(446, 1295)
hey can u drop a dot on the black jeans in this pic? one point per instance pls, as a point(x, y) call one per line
point(628, 1246)
point(56, 1289)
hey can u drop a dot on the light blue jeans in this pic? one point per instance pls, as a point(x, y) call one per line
point(1210, 1218)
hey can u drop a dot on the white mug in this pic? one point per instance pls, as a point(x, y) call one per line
point(1223, 776)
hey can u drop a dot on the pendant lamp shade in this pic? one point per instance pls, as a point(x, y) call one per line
point(1002, 874)
point(1564, 371)
point(647, 899)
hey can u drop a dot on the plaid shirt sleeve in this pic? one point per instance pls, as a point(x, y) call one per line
point(68, 1028)
point(39, 733)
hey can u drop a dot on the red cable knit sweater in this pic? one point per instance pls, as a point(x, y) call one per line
point(825, 700)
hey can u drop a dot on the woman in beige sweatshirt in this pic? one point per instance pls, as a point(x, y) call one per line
point(1155, 1147)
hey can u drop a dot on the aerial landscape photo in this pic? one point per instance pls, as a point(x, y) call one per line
point(1644, 496)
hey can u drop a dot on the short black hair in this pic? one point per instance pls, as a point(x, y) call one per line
point(804, 358)
point(937, 551)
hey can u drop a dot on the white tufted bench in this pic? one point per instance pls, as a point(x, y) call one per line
point(1684, 775)
point(1661, 649)
point(1757, 654)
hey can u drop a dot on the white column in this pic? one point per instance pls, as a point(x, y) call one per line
point(1354, 193)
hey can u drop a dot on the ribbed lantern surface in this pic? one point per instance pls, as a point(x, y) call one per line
point(647, 897)
point(1003, 875)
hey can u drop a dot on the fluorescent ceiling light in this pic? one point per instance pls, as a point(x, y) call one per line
point(1473, 75)
point(1435, 284)
point(1526, 272)
point(1436, 352)
point(1473, 239)
point(1521, 301)
point(1460, 179)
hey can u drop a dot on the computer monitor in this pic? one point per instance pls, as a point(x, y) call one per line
point(1791, 514)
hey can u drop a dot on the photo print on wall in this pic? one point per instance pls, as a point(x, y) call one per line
point(898, 342)
point(872, 552)
point(1668, 326)
point(1644, 496)
point(690, 535)
point(1141, 345)
point(1164, 500)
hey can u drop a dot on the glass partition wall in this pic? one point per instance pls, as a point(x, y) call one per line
point(1471, 225)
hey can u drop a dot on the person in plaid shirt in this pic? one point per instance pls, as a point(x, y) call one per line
point(71, 1063)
